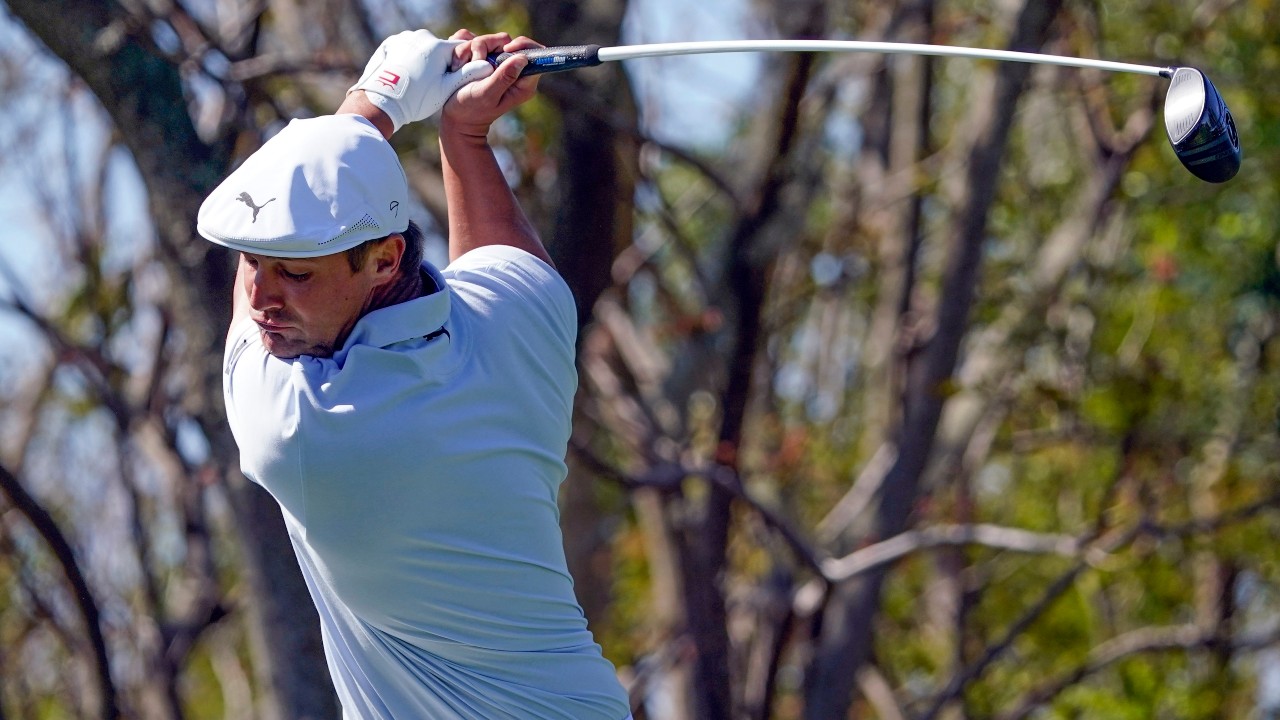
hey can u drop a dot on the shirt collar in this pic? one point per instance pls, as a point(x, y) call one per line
point(410, 320)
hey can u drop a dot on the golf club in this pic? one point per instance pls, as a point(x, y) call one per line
point(1197, 120)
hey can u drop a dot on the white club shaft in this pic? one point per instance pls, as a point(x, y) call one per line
point(628, 52)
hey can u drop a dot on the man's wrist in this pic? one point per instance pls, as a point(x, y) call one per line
point(470, 133)
point(358, 103)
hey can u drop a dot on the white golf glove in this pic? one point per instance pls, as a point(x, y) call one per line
point(409, 79)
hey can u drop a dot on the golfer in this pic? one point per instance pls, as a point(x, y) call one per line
point(412, 421)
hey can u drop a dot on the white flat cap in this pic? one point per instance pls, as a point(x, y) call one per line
point(319, 187)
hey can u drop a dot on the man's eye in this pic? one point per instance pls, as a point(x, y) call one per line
point(299, 277)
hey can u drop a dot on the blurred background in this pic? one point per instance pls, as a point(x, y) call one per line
point(909, 388)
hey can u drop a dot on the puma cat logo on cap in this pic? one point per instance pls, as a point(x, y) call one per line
point(244, 198)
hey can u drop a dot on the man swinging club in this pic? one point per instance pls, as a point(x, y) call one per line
point(412, 422)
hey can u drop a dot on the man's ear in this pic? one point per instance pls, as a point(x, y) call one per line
point(384, 258)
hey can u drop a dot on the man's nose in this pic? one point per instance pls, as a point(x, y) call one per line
point(264, 294)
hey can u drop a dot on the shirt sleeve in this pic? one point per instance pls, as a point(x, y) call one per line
point(260, 392)
point(248, 370)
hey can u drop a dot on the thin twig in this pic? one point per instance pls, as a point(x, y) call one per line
point(262, 66)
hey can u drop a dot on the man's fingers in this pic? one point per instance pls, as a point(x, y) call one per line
point(492, 88)
point(521, 43)
point(523, 89)
point(493, 96)
point(515, 89)
point(475, 47)
point(511, 69)
point(528, 85)
point(482, 45)
point(462, 51)
point(473, 72)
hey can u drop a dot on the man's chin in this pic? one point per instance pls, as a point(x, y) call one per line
point(289, 349)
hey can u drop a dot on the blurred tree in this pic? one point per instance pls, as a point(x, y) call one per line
point(938, 389)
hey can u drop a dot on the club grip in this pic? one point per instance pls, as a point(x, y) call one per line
point(552, 59)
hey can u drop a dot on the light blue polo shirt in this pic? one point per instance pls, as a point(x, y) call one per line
point(418, 481)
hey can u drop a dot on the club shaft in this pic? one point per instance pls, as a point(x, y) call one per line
point(629, 52)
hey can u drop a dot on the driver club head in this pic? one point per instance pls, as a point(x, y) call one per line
point(1200, 127)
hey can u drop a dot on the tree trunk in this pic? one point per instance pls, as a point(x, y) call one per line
point(597, 170)
point(142, 91)
point(845, 645)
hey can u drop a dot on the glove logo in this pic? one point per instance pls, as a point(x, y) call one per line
point(388, 78)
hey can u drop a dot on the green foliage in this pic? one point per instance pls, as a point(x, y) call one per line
point(1146, 392)
point(629, 632)
point(200, 689)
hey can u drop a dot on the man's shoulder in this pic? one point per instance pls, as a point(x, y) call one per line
point(510, 282)
point(500, 258)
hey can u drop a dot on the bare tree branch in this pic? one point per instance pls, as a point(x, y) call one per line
point(264, 66)
point(961, 679)
point(92, 365)
point(1209, 525)
point(44, 524)
point(876, 689)
point(860, 496)
point(1105, 544)
point(626, 125)
point(1187, 638)
point(669, 476)
point(912, 541)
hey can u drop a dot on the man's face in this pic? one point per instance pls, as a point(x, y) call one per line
point(305, 306)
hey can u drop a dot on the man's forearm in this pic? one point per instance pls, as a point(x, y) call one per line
point(482, 208)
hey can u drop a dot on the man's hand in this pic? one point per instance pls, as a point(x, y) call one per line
point(476, 105)
point(412, 74)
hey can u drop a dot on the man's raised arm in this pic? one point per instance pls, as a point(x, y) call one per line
point(482, 209)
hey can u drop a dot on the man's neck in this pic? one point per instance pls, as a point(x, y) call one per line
point(404, 288)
